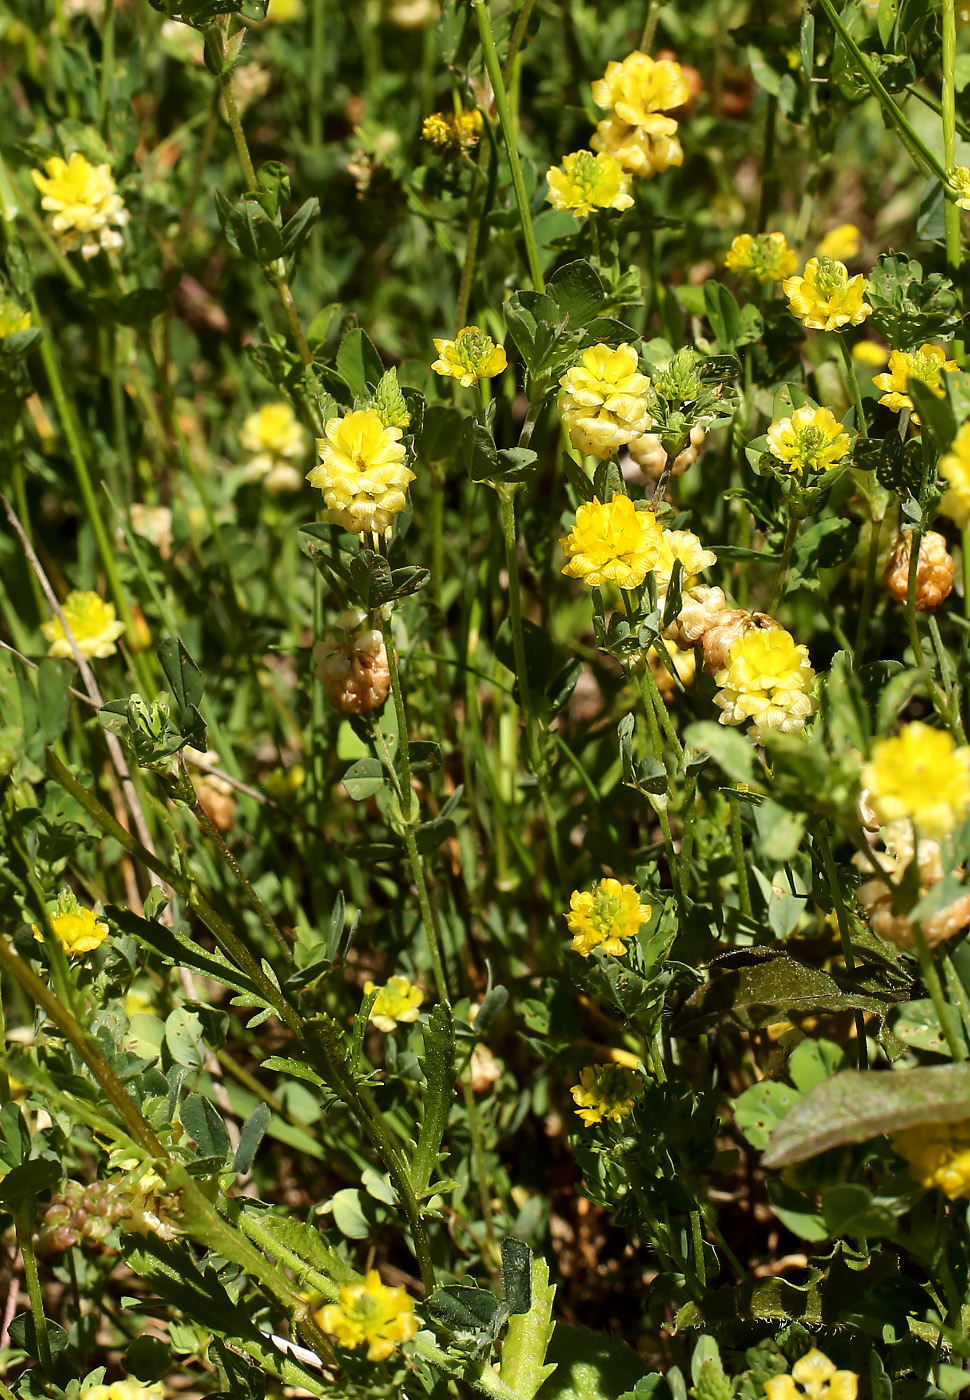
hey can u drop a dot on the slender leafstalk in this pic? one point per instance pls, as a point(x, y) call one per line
point(868, 590)
point(518, 34)
point(951, 213)
point(781, 577)
point(931, 980)
point(852, 385)
point(842, 918)
point(916, 540)
point(107, 66)
point(510, 135)
point(737, 848)
point(25, 1238)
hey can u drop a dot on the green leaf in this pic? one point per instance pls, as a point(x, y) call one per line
point(467, 1312)
point(578, 292)
point(250, 1138)
point(523, 1366)
point(205, 1127)
point(917, 1024)
point(438, 1064)
point(363, 778)
point(815, 1060)
point(28, 1180)
point(589, 1366)
point(15, 1144)
point(358, 363)
point(297, 230)
point(935, 413)
point(348, 1217)
point(732, 751)
point(517, 1275)
point(180, 949)
point(860, 1104)
point(767, 991)
point(759, 1110)
point(185, 682)
point(252, 232)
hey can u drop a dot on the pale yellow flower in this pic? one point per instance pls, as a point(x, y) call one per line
point(842, 242)
point(275, 438)
point(83, 203)
point(694, 558)
point(870, 354)
point(606, 1092)
point(370, 1314)
point(79, 930)
point(959, 178)
point(471, 356)
point(955, 470)
point(766, 256)
point(938, 1154)
point(921, 775)
point(397, 1001)
point(92, 624)
point(284, 11)
point(605, 917)
point(613, 543)
point(586, 182)
point(926, 364)
point(825, 297)
point(811, 440)
point(640, 88)
point(361, 473)
point(768, 678)
point(604, 402)
point(642, 153)
point(813, 1377)
point(124, 1390)
point(13, 318)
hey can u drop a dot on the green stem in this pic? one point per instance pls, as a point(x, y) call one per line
point(518, 34)
point(494, 70)
point(842, 918)
point(965, 561)
point(480, 1165)
point(951, 213)
point(506, 494)
point(430, 923)
point(767, 164)
point(916, 540)
point(957, 991)
point(917, 148)
point(931, 980)
point(23, 1220)
point(868, 590)
point(697, 1241)
point(107, 66)
point(781, 577)
point(737, 847)
point(852, 385)
point(647, 683)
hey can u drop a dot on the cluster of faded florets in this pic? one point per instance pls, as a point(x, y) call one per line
point(453, 134)
point(876, 895)
point(80, 1214)
point(636, 138)
point(352, 664)
point(935, 568)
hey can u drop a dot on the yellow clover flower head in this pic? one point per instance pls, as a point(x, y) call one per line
point(955, 470)
point(586, 182)
point(766, 256)
point(811, 440)
point(926, 364)
point(694, 558)
point(640, 152)
point(397, 1001)
point(920, 775)
point(13, 318)
point(870, 353)
point(78, 930)
point(825, 297)
point(606, 1092)
point(83, 203)
point(453, 133)
point(361, 473)
point(274, 438)
point(842, 242)
point(938, 1154)
point(959, 178)
point(605, 917)
point(370, 1314)
point(604, 400)
point(92, 624)
point(471, 356)
point(768, 678)
point(124, 1390)
point(612, 543)
point(284, 11)
point(640, 88)
point(813, 1377)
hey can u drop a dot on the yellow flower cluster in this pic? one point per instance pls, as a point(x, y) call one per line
point(92, 624)
point(955, 470)
point(925, 364)
point(83, 203)
point(361, 473)
point(636, 94)
point(274, 438)
point(453, 133)
point(606, 1092)
point(370, 1314)
point(959, 178)
point(78, 930)
point(471, 356)
point(605, 917)
point(397, 1001)
point(13, 318)
point(921, 775)
point(813, 1377)
point(124, 1390)
point(766, 256)
point(694, 558)
point(938, 1154)
point(842, 242)
point(811, 440)
point(586, 182)
point(768, 679)
point(612, 543)
point(604, 402)
point(825, 297)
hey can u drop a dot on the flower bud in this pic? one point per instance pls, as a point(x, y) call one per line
point(701, 608)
